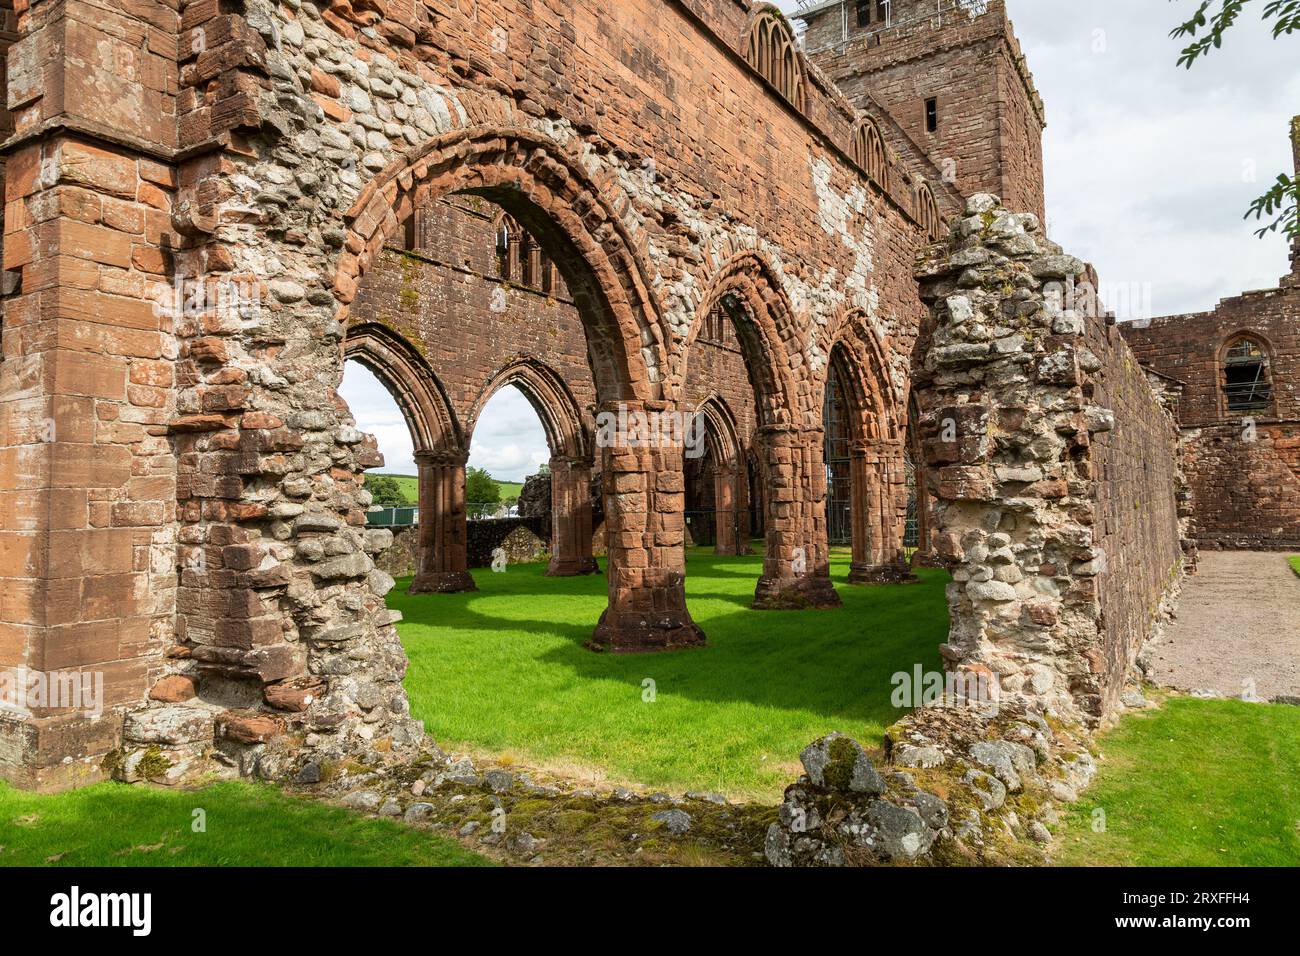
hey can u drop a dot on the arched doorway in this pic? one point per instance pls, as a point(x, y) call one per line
point(440, 453)
point(796, 570)
point(569, 437)
point(717, 482)
point(547, 192)
point(866, 470)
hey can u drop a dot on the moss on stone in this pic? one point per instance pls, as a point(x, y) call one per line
point(153, 764)
point(839, 765)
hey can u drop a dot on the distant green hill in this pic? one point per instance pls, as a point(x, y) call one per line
point(411, 493)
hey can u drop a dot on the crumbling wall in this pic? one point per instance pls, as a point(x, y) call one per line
point(1053, 466)
point(524, 540)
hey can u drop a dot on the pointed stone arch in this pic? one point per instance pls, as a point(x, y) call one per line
point(770, 48)
point(569, 438)
point(415, 387)
point(567, 431)
point(747, 289)
point(441, 450)
point(877, 453)
point(577, 221)
point(796, 568)
point(730, 476)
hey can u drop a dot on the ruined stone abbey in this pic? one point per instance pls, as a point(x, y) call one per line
point(828, 247)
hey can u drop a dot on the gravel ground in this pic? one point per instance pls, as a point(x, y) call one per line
point(1238, 622)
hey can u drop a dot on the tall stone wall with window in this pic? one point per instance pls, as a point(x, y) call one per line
point(1243, 459)
point(1053, 465)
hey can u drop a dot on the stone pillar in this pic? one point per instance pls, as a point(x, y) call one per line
point(571, 522)
point(796, 569)
point(645, 519)
point(441, 561)
point(878, 511)
point(925, 556)
point(726, 515)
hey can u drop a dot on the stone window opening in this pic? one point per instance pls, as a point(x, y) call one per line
point(411, 232)
point(771, 50)
point(1247, 383)
point(526, 250)
point(521, 259)
point(716, 330)
point(932, 115)
point(868, 151)
point(503, 251)
point(864, 13)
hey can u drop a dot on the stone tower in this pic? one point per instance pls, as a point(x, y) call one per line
point(951, 74)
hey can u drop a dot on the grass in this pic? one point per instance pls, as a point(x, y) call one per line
point(1295, 563)
point(1196, 783)
point(504, 670)
point(246, 825)
point(411, 491)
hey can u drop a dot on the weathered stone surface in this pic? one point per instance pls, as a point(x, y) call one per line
point(1038, 525)
point(173, 724)
point(173, 689)
point(838, 762)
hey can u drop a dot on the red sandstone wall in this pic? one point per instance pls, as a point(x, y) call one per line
point(87, 475)
point(1244, 469)
point(210, 143)
point(447, 299)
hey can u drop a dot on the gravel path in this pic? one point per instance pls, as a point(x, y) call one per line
point(1238, 621)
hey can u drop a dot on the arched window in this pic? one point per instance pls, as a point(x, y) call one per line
point(772, 52)
point(927, 213)
point(503, 249)
point(868, 151)
point(1247, 384)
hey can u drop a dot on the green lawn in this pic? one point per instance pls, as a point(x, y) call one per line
point(411, 491)
point(504, 670)
point(1196, 783)
point(246, 825)
point(1295, 563)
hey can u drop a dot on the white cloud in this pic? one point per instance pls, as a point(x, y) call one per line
point(1145, 160)
point(509, 442)
point(377, 413)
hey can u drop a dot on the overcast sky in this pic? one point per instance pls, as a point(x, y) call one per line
point(1150, 168)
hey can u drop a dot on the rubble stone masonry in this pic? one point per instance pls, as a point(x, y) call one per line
point(1053, 469)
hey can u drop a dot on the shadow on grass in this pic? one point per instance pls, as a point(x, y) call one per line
point(505, 668)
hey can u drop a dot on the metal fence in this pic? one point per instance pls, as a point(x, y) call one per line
point(393, 516)
point(404, 516)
